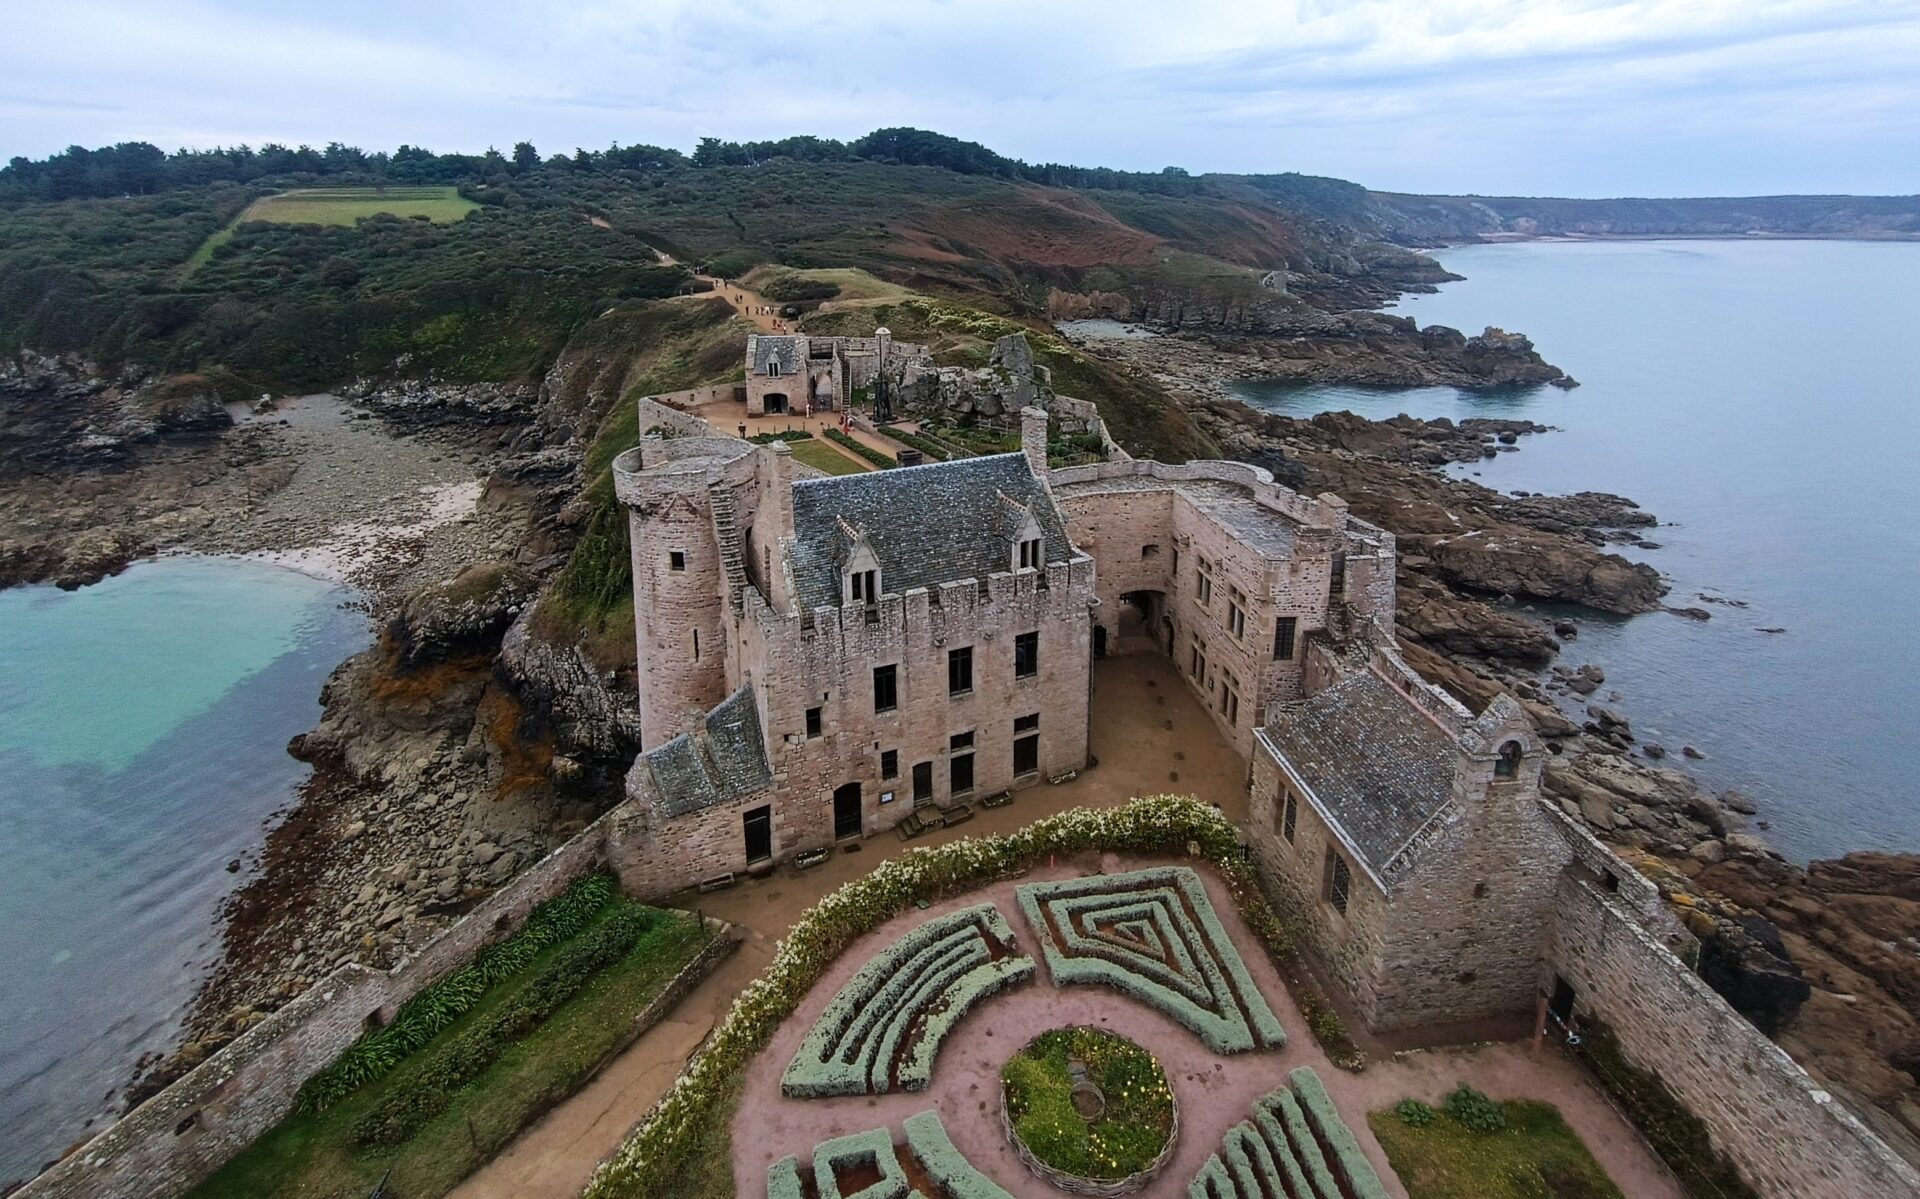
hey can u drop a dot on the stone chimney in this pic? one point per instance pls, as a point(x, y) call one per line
point(781, 493)
point(1033, 439)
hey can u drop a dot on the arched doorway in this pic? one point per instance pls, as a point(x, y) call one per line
point(776, 403)
point(1141, 623)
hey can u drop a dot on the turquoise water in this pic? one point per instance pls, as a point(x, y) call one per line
point(1759, 397)
point(143, 730)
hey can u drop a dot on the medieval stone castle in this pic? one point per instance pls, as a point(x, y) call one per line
point(823, 658)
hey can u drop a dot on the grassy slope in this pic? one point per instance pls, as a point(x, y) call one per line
point(346, 205)
point(1536, 1157)
point(314, 1157)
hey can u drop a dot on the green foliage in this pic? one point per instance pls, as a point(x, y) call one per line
point(859, 447)
point(790, 287)
point(1414, 1113)
point(786, 435)
point(934, 450)
point(928, 1141)
point(825, 459)
point(1680, 1138)
point(429, 1090)
point(1127, 1137)
point(1534, 1156)
point(433, 1009)
point(1474, 1111)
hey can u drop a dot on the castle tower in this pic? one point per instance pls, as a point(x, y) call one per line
point(679, 524)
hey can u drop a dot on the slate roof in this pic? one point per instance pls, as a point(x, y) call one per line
point(784, 350)
point(724, 760)
point(927, 524)
point(1380, 767)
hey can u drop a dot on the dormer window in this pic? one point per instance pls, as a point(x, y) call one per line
point(1031, 555)
point(863, 586)
point(773, 369)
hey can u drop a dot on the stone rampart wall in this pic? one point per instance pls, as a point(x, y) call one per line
point(1790, 1138)
point(183, 1134)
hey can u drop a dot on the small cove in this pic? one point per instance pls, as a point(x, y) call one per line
point(143, 730)
point(1755, 396)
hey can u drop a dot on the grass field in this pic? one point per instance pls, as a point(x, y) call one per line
point(315, 1156)
point(1535, 1157)
point(341, 206)
point(821, 456)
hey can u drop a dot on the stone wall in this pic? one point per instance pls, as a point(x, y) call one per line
point(190, 1129)
point(1789, 1137)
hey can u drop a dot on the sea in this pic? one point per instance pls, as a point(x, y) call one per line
point(143, 731)
point(1760, 398)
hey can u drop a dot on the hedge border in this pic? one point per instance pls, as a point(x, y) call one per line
point(930, 1145)
point(860, 448)
point(1162, 824)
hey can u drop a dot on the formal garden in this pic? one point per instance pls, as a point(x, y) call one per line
point(1092, 1005)
point(472, 1059)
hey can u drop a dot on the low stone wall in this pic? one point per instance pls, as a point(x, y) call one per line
point(183, 1134)
point(1788, 1137)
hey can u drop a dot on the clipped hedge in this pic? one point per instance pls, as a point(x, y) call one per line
point(871, 1148)
point(784, 435)
point(926, 445)
point(1355, 1171)
point(655, 1152)
point(407, 1108)
point(940, 970)
point(424, 1016)
point(927, 1139)
point(1218, 1001)
point(783, 1180)
point(1280, 1150)
point(861, 448)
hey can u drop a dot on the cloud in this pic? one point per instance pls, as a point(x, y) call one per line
point(1541, 96)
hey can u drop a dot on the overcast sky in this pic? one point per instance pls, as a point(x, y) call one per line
point(1561, 97)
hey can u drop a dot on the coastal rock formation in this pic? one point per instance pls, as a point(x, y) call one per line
point(473, 607)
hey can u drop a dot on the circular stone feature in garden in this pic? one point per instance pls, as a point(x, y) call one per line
point(1089, 1111)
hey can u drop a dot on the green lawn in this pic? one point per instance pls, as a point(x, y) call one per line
point(339, 206)
point(1535, 1157)
point(822, 456)
point(314, 1156)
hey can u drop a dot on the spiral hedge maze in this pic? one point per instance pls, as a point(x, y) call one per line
point(867, 1165)
point(1153, 934)
point(883, 1028)
point(1295, 1145)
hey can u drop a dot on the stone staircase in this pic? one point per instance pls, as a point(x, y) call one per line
point(727, 533)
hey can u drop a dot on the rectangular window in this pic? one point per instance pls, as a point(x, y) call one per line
point(1289, 816)
point(1236, 612)
point(886, 689)
point(1150, 550)
point(922, 782)
point(813, 722)
point(1204, 582)
point(696, 645)
point(676, 559)
point(1026, 655)
point(1026, 754)
point(862, 587)
point(1230, 698)
point(1339, 882)
point(889, 763)
point(1283, 631)
point(960, 741)
point(960, 773)
point(1026, 724)
point(960, 670)
point(1030, 556)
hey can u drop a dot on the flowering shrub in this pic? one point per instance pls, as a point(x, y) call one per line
point(1279, 1151)
point(1193, 974)
point(912, 992)
point(928, 1140)
point(655, 1151)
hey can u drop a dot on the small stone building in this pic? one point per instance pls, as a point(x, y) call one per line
point(1409, 836)
point(795, 372)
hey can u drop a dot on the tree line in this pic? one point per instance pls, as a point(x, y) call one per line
point(142, 169)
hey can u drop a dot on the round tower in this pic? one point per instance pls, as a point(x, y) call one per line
point(679, 529)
